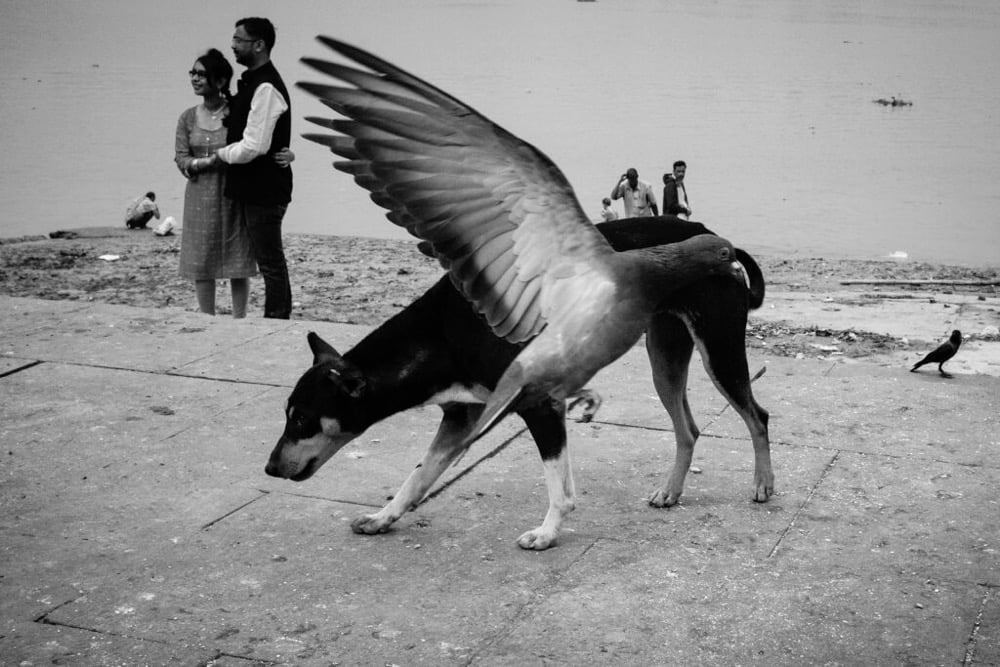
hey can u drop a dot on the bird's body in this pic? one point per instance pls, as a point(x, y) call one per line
point(504, 221)
point(941, 353)
point(594, 326)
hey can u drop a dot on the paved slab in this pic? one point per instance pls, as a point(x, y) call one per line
point(139, 527)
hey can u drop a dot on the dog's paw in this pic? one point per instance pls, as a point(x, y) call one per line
point(370, 524)
point(763, 485)
point(664, 498)
point(536, 540)
point(762, 492)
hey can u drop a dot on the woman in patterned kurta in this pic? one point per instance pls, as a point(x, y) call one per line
point(213, 245)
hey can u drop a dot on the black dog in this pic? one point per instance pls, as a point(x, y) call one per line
point(437, 350)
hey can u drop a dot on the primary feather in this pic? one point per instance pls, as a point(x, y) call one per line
point(499, 214)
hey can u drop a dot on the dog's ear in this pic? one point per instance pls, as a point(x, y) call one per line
point(347, 378)
point(342, 373)
point(322, 351)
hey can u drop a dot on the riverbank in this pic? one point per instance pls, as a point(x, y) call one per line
point(359, 280)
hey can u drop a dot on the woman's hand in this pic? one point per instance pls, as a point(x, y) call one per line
point(185, 169)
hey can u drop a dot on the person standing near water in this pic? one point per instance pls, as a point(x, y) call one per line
point(675, 199)
point(637, 195)
point(260, 121)
point(214, 245)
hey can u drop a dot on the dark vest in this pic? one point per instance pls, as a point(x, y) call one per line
point(260, 181)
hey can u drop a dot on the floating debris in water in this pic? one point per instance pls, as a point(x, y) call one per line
point(893, 102)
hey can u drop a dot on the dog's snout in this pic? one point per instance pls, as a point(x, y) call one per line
point(275, 466)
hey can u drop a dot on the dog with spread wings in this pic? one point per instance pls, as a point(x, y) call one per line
point(505, 223)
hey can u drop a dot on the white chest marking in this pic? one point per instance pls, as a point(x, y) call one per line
point(458, 393)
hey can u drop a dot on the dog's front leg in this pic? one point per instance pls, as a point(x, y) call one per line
point(455, 425)
point(559, 480)
point(548, 427)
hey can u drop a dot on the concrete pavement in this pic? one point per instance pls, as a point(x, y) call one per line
point(138, 526)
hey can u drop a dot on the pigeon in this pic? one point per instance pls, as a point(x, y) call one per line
point(504, 221)
point(942, 353)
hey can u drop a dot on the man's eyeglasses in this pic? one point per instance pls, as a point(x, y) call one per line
point(244, 40)
point(198, 74)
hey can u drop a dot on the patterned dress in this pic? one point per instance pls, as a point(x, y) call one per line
point(213, 244)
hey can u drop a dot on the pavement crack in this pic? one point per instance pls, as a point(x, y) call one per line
point(326, 499)
point(798, 512)
point(263, 494)
point(25, 367)
point(98, 631)
point(43, 618)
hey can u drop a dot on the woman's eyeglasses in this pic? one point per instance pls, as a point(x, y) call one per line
point(198, 74)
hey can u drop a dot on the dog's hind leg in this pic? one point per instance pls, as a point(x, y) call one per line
point(446, 447)
point(547, 424)
point(722, 344)
point(669, 347)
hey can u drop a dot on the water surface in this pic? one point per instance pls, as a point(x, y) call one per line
point(770, 103)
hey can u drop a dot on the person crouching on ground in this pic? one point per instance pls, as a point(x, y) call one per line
point(141, 211)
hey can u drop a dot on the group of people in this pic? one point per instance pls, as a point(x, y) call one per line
point(233, 151)
point(639, 199)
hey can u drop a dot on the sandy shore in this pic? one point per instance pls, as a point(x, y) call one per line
point(365, 281)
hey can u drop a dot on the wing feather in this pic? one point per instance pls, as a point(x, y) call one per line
point(499, 214)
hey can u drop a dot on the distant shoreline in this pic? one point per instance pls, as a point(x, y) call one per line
point(359, 280)
point(902, 263)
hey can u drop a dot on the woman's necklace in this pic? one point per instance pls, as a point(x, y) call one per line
point(214, 113)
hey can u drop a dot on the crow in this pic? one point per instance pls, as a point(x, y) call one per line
point(942, 353)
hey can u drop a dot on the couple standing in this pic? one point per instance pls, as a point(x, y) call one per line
point(233, 151)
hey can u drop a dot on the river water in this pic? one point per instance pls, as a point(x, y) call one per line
point(770, 102)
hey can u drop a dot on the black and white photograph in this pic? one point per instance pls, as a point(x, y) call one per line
point(500, 332)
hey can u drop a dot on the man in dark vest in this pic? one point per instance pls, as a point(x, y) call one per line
point(675, 199)
point(260, 125)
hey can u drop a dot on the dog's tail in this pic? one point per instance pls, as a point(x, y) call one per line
point(755, 278)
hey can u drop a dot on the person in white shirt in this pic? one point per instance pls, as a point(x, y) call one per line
point(637, 195)
point(258, 127)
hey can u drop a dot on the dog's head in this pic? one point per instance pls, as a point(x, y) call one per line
point(321, 416)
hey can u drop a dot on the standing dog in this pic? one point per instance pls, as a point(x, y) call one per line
point(437, 350)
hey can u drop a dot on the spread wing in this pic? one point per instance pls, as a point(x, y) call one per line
point(499, 214)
